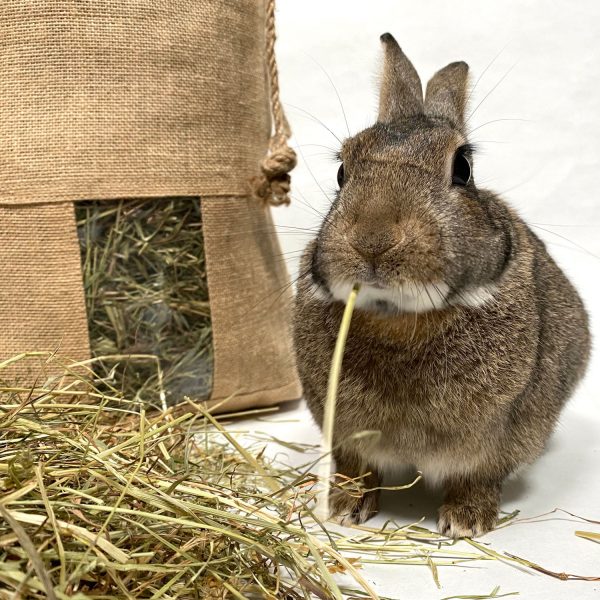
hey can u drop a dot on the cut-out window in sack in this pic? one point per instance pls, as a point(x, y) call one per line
point(146, 294)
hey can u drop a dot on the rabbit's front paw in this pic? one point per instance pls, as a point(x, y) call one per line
point(347, 509)
point(464, 520)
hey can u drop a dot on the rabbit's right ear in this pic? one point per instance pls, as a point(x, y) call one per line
point(401, 94)
point(446, 95)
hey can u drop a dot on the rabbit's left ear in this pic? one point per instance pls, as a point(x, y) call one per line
point(401, 93)
point(446, 94)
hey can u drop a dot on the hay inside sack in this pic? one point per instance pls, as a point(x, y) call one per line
point(144, 276)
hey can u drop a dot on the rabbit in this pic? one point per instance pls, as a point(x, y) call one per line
point(467, 339)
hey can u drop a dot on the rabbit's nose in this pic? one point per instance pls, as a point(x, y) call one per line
point(372, 249)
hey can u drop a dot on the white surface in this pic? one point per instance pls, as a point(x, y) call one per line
point(547, 165)
point(565, 477)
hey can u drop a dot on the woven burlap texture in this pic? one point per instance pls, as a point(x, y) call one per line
point(111, 99)
point(126, 98)
point(250, 321)
point(42, 305)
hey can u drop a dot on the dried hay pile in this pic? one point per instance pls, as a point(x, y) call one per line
point(101, 499)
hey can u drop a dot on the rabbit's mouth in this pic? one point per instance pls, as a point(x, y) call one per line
point(388, 298)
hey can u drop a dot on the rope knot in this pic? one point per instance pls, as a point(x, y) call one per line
point(273, 185)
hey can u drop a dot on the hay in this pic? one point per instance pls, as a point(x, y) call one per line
point(589, 535)
point(322, 509)
point(495, 593)
point(146, 293)
point(102, 499)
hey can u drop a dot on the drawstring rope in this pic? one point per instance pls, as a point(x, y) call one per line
point(272, 186)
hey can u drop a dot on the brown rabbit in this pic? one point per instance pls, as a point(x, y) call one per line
point(467, 339)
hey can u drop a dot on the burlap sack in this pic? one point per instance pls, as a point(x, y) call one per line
point(106, 99)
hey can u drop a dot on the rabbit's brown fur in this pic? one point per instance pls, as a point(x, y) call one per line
point(468, 340)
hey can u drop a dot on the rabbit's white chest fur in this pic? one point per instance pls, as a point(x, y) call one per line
point(407, 297)
point(411, 297)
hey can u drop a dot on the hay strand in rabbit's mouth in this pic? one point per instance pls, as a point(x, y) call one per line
point(330, 404)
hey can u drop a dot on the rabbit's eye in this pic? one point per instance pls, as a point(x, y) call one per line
point(340, 175)
point(461, 168)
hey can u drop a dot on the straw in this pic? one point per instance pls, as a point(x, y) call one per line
point(495, 593)
point(589, 535)
point(100, 499)
point(335, 372)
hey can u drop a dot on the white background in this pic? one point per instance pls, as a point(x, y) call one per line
point(537, 128)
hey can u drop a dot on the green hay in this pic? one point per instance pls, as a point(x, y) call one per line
point(144, 275)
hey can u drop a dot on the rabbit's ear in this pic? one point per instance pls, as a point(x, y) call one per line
point(401, 94)
point(446, 94)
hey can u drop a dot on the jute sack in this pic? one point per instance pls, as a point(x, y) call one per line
point(141, 99)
